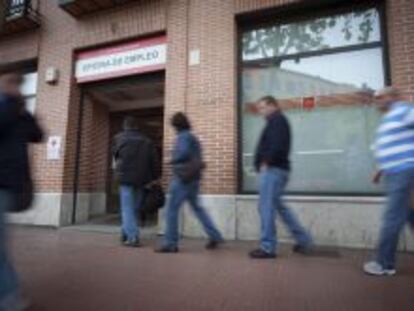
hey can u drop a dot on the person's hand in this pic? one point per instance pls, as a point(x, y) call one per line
point(154, 182)
point(376, 178)
point(264, 167)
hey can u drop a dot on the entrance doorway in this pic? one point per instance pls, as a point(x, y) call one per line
point(104, 107)
point(151, 124)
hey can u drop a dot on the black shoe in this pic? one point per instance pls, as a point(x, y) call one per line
point(131, 243)
point(302, 249)
point(167, 250)
point(123, 238)
point(261, 254)
point(213, 244)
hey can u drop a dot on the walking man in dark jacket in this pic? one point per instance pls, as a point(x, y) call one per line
point(137, 165)
point(272, 162)
point(17, 129)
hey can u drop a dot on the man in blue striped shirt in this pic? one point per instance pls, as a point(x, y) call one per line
point(394, 151)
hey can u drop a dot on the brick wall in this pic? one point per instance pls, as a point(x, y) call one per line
point(101, 148)
point(16, 48)
point(94, 150)
point(207, 92)
point(245, 6)
point(176, 73)
point(58, 106)
point(400, 20)
point(86, 145)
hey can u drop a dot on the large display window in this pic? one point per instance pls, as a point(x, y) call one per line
point(322, 71)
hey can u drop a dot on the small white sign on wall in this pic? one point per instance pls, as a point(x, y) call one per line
point(194, 58)
point(54, 145)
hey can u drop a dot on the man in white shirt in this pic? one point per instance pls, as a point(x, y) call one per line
point(395, 157)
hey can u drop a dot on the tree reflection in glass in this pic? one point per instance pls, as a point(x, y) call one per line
point(312, 35)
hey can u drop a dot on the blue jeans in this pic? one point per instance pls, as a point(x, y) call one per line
point(179, 193)
point(398, 212)
point(131, 200)
point(8, 277)
point(273, 182)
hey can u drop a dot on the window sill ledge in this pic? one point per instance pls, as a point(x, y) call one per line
point(323, 199)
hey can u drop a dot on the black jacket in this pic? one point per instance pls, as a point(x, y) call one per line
point(17, 129)
point(137, 161)
point(274, 144)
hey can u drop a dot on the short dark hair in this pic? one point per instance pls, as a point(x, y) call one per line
point(130, 123)
point(180, 122)
point(269, 100)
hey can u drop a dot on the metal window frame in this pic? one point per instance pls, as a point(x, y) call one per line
point(295, 13)
point(21, 9)
point(20, 17)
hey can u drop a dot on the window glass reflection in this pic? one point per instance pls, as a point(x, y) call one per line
point(312, 35)
point(331, 149)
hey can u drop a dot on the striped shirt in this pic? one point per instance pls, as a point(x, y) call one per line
point(394, 147)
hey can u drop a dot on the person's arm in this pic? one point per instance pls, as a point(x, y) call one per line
point(115, 147)
point(256, 161)
point(32, 130)
point(9, 114)
point(376, 178)
point(115, 152)
point(182, 150)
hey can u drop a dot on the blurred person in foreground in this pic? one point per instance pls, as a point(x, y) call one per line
point(273, 164)
point(17, 129)
point(395, 156)
point(187, 162)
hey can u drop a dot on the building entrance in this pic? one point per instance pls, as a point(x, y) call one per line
point(104, 107)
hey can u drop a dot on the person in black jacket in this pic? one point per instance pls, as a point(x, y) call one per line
point(17, 129)
point(137, 165)
point(272, 162)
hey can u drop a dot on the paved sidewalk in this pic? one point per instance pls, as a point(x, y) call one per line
point(72, 270)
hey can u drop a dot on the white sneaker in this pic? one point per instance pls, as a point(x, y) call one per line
point(374, 268)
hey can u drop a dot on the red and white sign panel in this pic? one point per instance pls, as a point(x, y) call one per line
point(127, 59)
point(309, 103)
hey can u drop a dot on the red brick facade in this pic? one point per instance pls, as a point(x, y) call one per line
point(400, 21)
point(93, 162)
point(207, 92)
